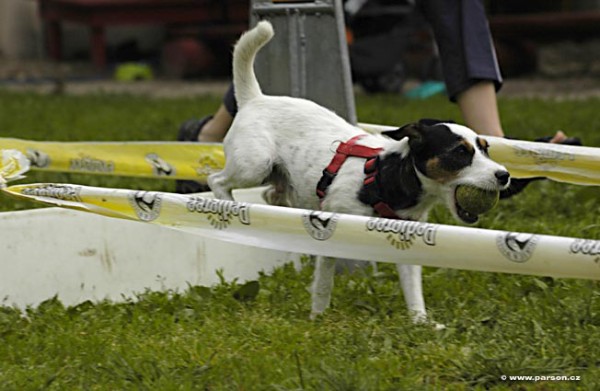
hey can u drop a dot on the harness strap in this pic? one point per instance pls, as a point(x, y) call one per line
point(371, 189)
point(351, 149)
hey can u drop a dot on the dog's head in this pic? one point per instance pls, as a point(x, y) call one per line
point(446, 155)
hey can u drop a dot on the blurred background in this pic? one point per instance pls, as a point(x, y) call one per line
point(191, 39)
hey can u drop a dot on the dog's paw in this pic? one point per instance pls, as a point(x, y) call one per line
point(422, 319)
point(434, 325)
point(315, 315)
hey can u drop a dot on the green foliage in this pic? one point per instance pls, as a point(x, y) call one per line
point(257, 336)
point(207, 339)
point(97, 117)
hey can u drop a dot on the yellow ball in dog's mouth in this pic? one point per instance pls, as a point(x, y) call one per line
point(475, 200)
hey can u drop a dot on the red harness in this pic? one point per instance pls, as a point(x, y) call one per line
point(351, 149)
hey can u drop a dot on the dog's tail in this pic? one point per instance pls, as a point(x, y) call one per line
point(244, 80)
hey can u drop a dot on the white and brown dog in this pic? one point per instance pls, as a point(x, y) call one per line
point(288, 142)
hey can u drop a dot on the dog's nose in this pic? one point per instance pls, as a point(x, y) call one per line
point(502, 177)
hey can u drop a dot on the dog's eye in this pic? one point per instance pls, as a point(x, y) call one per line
point(461, 149)
point(457, 157)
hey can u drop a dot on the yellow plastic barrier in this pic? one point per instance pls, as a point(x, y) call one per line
point(194, 161)
point(561, 163)
point(172, 160)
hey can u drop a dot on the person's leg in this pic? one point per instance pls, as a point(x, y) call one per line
point(211, 128)
point(479, 109)
point(214, 130)
point(471, 71)
point(464, 43)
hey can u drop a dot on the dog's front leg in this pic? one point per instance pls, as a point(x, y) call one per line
point(410, 280)
point(322, 285)
point(412, 286)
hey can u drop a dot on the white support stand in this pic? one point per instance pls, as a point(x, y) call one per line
point(80, 256)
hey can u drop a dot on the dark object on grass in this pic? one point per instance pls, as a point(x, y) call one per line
point(247, 292)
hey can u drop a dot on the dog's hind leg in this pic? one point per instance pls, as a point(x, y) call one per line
point(251, 173)
point(218, 183)
point(279, 192)
point(322, 285)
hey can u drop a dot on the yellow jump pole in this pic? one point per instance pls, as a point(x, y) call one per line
point(195, 161)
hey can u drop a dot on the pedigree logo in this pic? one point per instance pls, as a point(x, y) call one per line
point(403, 234)
point(220, 212)
point(320, 225)
point(59, 192)
point(159, 166)
point(517, 247)
point(146, 204)
point(37, 158)
point(544, 156)
point(91, 164)
point(586, 247)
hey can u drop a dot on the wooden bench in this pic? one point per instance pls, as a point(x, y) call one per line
point(98, 14)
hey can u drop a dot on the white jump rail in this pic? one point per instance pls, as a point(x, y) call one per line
point(331, 234)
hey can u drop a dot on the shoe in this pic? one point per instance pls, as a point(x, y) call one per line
point(189, 131)
point(517, 185)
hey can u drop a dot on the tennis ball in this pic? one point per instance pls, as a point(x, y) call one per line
point(475, 200)
point(133, 71)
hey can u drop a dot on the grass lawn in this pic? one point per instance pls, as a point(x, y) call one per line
point(206, 339)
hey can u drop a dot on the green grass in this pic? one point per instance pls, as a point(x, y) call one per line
point(206, 339)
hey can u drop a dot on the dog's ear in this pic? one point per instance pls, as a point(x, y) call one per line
point(414, 132)
point(433, 121)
